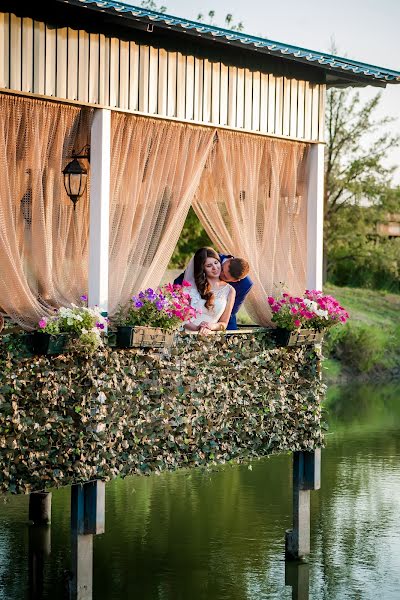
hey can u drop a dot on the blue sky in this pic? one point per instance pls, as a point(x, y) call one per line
point(364, 30)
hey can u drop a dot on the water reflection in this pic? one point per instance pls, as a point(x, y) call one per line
point(39, 548)
point(220, 535)
point(297, 576)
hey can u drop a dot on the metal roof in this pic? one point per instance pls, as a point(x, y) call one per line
point(348, 71)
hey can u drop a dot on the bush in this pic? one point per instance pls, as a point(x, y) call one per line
point(359, 347)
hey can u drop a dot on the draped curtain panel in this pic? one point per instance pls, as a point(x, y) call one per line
point(252, 201)
point(43, 242)
point(155, 170)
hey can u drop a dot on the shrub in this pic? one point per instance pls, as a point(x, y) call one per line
point(359, 347)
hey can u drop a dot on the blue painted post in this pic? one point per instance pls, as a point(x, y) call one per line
point(95, 500)
point(306, 477)
point(87, 519)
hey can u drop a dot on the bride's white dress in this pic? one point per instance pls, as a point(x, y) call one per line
point(210, 315)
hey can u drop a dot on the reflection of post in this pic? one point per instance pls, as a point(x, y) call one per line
point(39, 548)
point(306, 477)
point(297, 575)
point(87, 519)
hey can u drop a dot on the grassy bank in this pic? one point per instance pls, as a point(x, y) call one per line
point(368, 346)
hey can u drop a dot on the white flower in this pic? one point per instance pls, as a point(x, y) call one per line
point(311, 305)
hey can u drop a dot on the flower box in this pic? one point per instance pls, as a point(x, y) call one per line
point(46, 343)
point(284, 337)
point(143, 337)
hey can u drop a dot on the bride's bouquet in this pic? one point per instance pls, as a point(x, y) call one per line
point(166, 307)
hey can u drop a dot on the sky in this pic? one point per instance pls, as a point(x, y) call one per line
point(363, 30)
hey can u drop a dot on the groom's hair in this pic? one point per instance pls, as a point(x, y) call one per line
point(238, 268)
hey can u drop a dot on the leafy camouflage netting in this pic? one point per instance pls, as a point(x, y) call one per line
point(72, 418)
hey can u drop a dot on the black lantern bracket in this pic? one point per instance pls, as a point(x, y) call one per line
point(83, 153)
point(75, 175)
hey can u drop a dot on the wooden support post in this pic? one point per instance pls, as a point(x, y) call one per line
point(95, 501)
point(306, 477)
point(87, 519)
point(99, 208)
point(315, 218)
point(297, 575)
point(40, 508)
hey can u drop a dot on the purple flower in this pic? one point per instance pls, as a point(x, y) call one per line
point(84, 298)
point(160, 305)
point(99, 325)
point(42, 323)
point(138, 304)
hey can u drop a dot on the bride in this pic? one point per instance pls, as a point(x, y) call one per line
point(215, 298)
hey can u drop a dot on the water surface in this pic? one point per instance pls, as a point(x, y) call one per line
point(219, 535)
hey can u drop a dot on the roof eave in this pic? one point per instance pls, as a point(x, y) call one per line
point(344, 76)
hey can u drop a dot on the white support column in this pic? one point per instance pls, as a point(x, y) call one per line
point(315, 218)
point(99, 208)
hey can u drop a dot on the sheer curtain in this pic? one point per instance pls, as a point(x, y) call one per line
point(155, 170)
point(43, 242)
point(252, 203)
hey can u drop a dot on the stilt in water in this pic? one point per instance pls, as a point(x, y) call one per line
point(87, 519)
point(306, 477)
point(40, 508)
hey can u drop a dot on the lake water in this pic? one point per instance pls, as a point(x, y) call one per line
point(220, 535)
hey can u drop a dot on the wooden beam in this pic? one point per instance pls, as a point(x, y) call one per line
point(99, 208)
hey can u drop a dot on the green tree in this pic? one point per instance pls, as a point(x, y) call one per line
point(357, 192)
point(192, 237)
point(151, 5)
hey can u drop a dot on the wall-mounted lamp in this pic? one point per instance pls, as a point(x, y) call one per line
point(75, 175)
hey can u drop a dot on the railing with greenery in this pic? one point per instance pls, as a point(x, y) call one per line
point(226, 397)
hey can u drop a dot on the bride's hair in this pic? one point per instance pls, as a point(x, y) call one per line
point(200, 278)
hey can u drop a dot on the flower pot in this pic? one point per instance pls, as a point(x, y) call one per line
point(143, 337)
point(283, 337)
point(45, 343)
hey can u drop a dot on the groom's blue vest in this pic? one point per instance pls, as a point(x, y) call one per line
point(241, 287)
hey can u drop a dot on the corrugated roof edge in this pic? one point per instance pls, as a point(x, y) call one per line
point(324, 60)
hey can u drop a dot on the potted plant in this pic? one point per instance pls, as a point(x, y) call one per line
point(303, 320)
point(150, 318)
point(80, 324)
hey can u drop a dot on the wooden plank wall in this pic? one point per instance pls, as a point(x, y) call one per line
point(90, 68)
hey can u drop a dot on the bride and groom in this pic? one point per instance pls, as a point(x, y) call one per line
point(219, 286)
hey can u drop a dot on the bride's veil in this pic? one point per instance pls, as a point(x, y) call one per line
point(189, 273)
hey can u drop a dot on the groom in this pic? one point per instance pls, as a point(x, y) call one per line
point(234, 271)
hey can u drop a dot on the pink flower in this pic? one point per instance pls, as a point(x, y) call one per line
point(294, 310)
point(271, 300)
point(297, 323)
point(42, 323)
point(186, 283)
